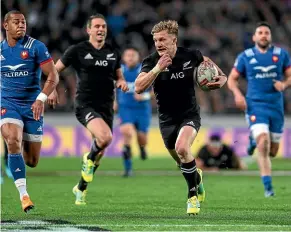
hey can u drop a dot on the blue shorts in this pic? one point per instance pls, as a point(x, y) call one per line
point(265, 119)
point(140, 118)
point(22, 116)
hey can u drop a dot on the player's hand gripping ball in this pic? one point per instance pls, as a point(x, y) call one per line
point(206, 71)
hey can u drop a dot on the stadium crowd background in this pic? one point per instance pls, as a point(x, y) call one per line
point(220, 29)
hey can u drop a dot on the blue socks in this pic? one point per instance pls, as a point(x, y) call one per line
point(127, 165)
point(127, 162)
point(17, 168)
point(267, 181)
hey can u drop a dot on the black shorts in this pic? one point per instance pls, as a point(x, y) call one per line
point(170, 129)
point(85, 114)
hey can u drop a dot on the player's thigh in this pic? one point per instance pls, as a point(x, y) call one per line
point(11, 126)
point(126, 115)
point(258, 121)
point(169, 134)
point(32, 137)
point(187, 134)
point(143, 121)
point(276, 131)
point(98, 124)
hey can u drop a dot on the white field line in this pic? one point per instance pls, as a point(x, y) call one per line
point(27, 223)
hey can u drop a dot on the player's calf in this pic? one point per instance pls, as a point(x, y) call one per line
point(263, 145)
point(31, 153)
point(142, 142)
point(127, 131)
point(274, 149)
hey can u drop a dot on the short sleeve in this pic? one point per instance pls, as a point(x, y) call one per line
point(286, 61)
point(118, 61)
point(42, 54)
point(69, 56)
point(147, 65)
point(239, 64)
point(198, 57)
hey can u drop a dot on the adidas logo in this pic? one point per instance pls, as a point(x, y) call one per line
point(88, 57)
point(253, 61)
point(17, 170)
point(193, 189)
point(191, 123)
point(166, 70)
point(2, 57)
point(39, 129)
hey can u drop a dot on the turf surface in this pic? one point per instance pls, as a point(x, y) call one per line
point(154, 199)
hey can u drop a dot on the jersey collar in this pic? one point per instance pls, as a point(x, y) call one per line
point(258, 51)
point(21, 41)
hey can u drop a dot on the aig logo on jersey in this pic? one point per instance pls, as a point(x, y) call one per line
point(103, 63)
point(178, 75)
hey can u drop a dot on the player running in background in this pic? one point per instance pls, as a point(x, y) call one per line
point(134, 110)
point(263, 66)
point(97, 65)
point(170, 70)
point(22, 100)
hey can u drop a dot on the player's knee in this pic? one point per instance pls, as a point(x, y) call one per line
point(104, 140)
point(181, 150)
point(13, 143)
point(127, 132)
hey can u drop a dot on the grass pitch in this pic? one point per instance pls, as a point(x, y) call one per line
point(154, 199)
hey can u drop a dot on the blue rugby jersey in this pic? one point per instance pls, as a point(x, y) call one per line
point(20, 69)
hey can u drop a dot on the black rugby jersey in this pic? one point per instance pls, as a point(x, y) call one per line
point(96, 70)
point(174, 87)
point(225, 158)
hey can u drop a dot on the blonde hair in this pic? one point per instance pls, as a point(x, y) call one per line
point(171, 26)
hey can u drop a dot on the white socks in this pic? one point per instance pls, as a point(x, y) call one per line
point(21, 186)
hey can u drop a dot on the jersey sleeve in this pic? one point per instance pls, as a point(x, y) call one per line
point(286, 61)
point(239, 64)
point(69, 56)
point(147, 65)
point(198, 57)
point(42, 54)
point(117, 64)
point(118, 61)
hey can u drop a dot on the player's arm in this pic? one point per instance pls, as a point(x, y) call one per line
point(282, 85)
point(60, 66)
point(237, 163)
point(65, 61)
point(232, 83)
point(52, 80)
point(220, 80)
point(145, 79)
point(120, 80)
point(115, 103)
point(287, 82)
point(47, 66)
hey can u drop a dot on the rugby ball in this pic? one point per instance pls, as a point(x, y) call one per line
point(204, 74)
